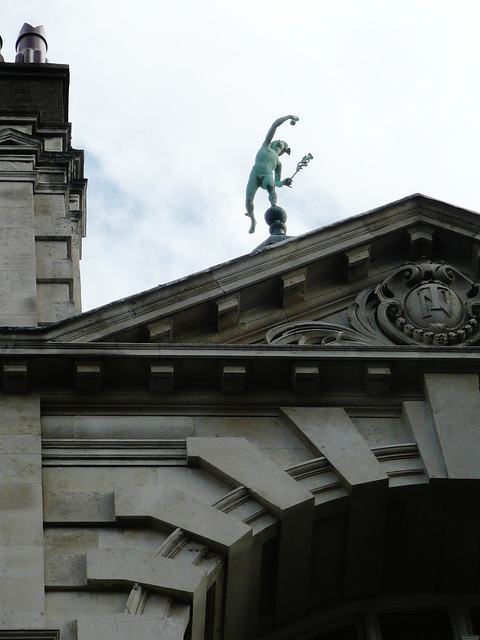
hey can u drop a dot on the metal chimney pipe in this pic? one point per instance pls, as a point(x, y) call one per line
point(31, 45)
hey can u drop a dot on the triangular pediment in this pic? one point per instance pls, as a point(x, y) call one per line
point(10, 137)
point(315, 277)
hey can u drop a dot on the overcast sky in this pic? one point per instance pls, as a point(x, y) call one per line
point(171, 101)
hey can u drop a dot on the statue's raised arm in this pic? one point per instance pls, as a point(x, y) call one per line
point(267, 170)
point(275, 125)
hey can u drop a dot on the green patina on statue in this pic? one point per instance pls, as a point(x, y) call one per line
point(267, 170)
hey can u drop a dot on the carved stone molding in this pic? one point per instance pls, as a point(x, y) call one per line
point(424, 303)
point(316, 333)
point(29, 634)
point(421, 303)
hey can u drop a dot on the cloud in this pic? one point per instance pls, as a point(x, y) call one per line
point(171, 101)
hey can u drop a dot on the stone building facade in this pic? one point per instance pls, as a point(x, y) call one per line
point(285, 446)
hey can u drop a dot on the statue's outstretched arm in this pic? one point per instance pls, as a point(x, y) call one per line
point(278, 177)
point(275, 125)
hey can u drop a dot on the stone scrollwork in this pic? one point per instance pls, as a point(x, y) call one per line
point(318, 333)
point(424, 304)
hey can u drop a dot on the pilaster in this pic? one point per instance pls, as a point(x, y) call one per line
point(22, 597)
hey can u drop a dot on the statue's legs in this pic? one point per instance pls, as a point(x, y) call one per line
point(272, 194)
point(252, 188)
point(250, 214)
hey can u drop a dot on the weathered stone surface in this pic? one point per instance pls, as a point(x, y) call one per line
point(196, 482)
point(228, 311)
point(162, 378)
point(169, 506)
point(71, 539)
point(125, 627)
point(15, 378)
point(21, 524)
point(244, 464)
point(78, 507)
point(330, 432)
point(455, 405)
point(83, 426)
point(65, 570)
point(268, 433)
point(234, 379)
point(21, 561)
point(42, 89)
point(119, 566)
point(419, 419)
point(177, 579)
point(85, 479)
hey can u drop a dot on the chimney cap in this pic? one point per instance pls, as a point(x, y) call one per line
point(28, 30)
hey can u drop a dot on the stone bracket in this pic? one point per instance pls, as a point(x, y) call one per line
point(305, 379)
point(293, 288)
point(88, 377)
point(240, 463)
point(15, 378)
point(420, 242)
point(160, 330)
point(378, 379)
point(358, 262)
point(179, 580)
point(234, 379)
point(228, 310)
point(162, 377)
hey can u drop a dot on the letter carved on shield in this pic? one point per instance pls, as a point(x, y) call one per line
point(433, 306)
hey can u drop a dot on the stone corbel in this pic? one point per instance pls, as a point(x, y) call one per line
point(233, 379)
point(305, 379)
point(88, 377)
point(420, 242)
point(378, 379)
point(358, 262)
point(293, 288)
point(227, 312)
point(162, 377)
point(160, 330)
point(15, 378)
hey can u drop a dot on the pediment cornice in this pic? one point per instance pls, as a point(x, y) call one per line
point(10, 137)
point(302, 279)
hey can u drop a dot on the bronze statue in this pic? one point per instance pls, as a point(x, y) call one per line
point(267, 170)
